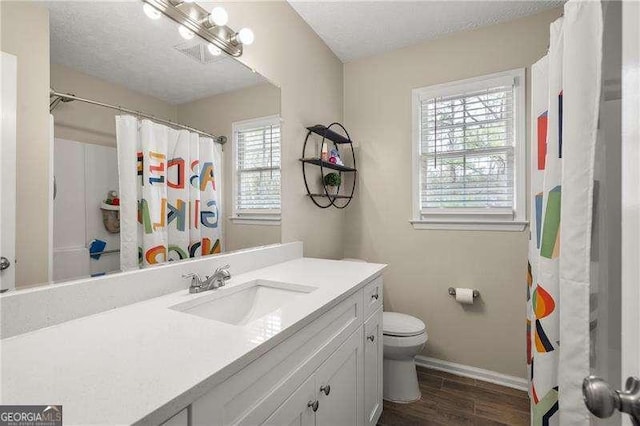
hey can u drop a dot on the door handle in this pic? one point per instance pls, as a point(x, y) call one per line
point(314, 405)
point(326, 389)
point(4, 263)
point(602, 400)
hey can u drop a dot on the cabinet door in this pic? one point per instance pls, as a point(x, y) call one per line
point(297, 410)
point(373, 345)
point(180, 419)
point(339, 385)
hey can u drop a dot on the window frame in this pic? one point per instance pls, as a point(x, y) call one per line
point(481, 218)
point(254, 217)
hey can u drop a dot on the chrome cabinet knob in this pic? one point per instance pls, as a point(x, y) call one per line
point(4, 263)
point(314, 405)
point(602, 400)
point(372, 337)
point(326, 389)
point(375, 296)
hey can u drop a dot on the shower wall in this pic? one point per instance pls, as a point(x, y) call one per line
point(84, 173)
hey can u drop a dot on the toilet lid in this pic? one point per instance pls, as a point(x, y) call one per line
point(397, 324)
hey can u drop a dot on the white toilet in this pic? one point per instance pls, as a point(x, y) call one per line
point(404, 338)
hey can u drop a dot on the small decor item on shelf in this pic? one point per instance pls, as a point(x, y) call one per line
point(334, 157)
point(324, 155)
point(333, 181)
point(111, 212)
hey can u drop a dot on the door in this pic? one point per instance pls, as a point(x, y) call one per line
point(8, 107)
point(615, 354)
point(299, 409)
point(373, 368)
point(631, 192)
point(338, 385)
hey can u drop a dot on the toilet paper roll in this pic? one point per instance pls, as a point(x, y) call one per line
point(464, 296)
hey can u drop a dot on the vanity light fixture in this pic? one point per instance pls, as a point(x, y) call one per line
point(210, 26)
point(245, 36)
point(218, 17)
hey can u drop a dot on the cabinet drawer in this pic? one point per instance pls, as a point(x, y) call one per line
point(252, 394)
point(373, 352)
point(372, 297)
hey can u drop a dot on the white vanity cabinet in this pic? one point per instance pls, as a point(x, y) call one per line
point(327, 374)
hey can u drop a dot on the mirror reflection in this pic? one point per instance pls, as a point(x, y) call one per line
point(163, 148)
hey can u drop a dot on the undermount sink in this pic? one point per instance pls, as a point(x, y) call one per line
point(244, 303)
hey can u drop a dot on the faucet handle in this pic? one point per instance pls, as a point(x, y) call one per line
point(196, 282)
point(223, 275)
point(191, 275)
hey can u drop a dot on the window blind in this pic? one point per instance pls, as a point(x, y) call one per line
point(467, 150)
point(258, 169)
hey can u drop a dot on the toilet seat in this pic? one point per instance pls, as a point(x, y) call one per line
point(401, 325)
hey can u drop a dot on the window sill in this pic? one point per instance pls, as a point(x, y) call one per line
point(470, 225)
point(256, 220)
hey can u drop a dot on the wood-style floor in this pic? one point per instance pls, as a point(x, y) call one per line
point(454, 400)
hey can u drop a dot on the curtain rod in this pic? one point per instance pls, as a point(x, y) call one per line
point(66, 97)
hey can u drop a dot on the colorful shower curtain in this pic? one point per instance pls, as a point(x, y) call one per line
point(169, 193)
point(565, 97)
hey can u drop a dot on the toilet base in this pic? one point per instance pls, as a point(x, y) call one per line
point(400, 383)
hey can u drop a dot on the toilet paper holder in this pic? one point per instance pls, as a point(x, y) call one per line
point(452, 292)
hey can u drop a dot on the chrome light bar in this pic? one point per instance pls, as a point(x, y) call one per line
point(195, 18)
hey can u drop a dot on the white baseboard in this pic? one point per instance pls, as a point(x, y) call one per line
point(473, 372)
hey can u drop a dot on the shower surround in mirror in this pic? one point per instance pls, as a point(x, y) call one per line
point(111, 52)
point(84, 174)
point(169, 193)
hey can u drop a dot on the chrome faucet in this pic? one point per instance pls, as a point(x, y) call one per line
point(218, 279)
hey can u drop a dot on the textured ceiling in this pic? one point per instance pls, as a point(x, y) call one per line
point(115, 41)
point(356, 29)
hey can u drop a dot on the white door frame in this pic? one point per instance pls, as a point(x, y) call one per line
point(8, 108)
point(630, 191)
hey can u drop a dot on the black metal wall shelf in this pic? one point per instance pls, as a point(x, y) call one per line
point(319, 162)
point(329, 198)
point(327, 133)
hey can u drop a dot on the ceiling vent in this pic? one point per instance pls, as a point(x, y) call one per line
point(198, 51)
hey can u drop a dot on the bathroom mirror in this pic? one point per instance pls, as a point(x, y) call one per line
point(104, 54)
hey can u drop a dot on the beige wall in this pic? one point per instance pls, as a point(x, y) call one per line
point(88, 123)
point(32, 151)
point(423, 263)
point(293, 57)
point(216, 114)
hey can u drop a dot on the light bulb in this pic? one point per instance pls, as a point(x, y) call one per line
point(214, 50)
point(185, 32)
point(218, 16)
point(150, 11)
point(245, 36)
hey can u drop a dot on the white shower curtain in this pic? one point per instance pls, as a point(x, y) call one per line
point(169, 193)
point(565, 92)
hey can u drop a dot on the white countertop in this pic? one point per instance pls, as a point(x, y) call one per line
point(144, 362)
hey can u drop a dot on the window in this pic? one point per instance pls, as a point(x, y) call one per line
point(256, 181)
point(469, 154)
